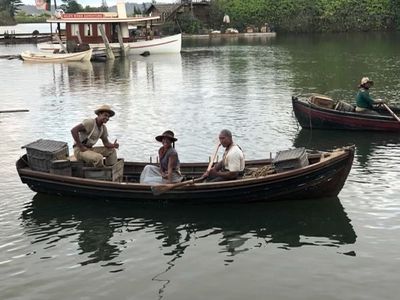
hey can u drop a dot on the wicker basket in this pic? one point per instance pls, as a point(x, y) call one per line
point(41, 153)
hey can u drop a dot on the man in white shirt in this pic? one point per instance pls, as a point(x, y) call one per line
point(232, 164)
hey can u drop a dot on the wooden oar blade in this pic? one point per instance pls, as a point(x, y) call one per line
point(163, 188)
point(160, 189)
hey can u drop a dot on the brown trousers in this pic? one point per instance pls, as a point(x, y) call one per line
point(95, 156)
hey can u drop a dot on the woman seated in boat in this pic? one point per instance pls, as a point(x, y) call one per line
point(168, 171)
point(364, 102)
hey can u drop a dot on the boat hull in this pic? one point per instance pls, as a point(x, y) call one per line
point(314, 117)
point(319, 180)
point(164, 45)
point(57, 57)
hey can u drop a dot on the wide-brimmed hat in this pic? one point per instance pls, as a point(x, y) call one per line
point(365, 80)
point(168, 134)
point(105, 108)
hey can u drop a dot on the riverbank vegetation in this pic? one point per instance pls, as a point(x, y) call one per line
point(22, 17)
point(281, 15)
point(309, 15)
point(8, 9)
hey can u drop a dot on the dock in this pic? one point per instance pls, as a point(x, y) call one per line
point(24, 38)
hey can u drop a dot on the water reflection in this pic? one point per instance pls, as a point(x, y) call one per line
point(222, 40)
point(366, 142)
point(239, 229)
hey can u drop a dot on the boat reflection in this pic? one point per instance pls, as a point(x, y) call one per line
point(366, 142)
point(131, 74)
point(238, 228)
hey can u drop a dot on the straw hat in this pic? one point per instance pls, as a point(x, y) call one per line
point(168, 134)
point(365, 80)
point(104, 108)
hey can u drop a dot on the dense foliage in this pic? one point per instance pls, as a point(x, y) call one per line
point(284, 15)
point(309, 15)
point(22, 17)
point(72, 6)
point(8, 9)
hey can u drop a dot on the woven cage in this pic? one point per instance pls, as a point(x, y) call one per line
point(42, 152)
point(290, 160)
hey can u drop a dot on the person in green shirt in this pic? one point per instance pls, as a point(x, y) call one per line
point(364, 102)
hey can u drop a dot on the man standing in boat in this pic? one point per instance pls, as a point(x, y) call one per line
point(364, 101)
point(86, 135)
point(232, 164)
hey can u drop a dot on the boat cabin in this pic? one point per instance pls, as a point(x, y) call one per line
point(86, 27)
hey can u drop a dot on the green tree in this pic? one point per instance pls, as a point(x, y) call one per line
point(8, 10)
point(188, 23)
point(10, 6)
point(71, 6)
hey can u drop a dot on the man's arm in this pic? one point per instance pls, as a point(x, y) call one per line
point(224, 174)
point(216, 172)
point(107, 143)
point(75, 135)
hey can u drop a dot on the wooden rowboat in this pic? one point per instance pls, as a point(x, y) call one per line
point(324, 176)
point(313, 116)
point(56, 57)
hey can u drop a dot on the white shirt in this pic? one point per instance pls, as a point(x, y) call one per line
point(233, 159)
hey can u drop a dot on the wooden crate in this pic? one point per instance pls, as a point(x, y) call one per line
point(109, 173)
point(61, 167)
point(42, 152)
point(343, 106)
point(290, 159)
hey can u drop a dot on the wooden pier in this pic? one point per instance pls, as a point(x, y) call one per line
point(24, 38)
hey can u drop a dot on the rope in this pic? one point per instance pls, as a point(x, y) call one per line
point(259, 172)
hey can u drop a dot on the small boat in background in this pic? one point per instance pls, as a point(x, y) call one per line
point(56, 57)
point(321, 112)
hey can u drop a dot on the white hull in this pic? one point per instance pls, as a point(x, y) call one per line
point(164, 45)
point(169, 44)
point(56, 57)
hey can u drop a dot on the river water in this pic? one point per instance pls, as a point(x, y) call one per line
point(341, 248)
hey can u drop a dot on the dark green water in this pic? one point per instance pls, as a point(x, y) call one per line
point(340, 248)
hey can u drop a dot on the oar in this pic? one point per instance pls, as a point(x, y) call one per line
point(13, 111)
point(391, 112)
point(160, 189)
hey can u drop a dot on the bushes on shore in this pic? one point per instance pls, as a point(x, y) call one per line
point(310, 15)
point(22, 17)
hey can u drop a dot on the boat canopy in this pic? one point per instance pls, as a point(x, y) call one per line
point(98, 18)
